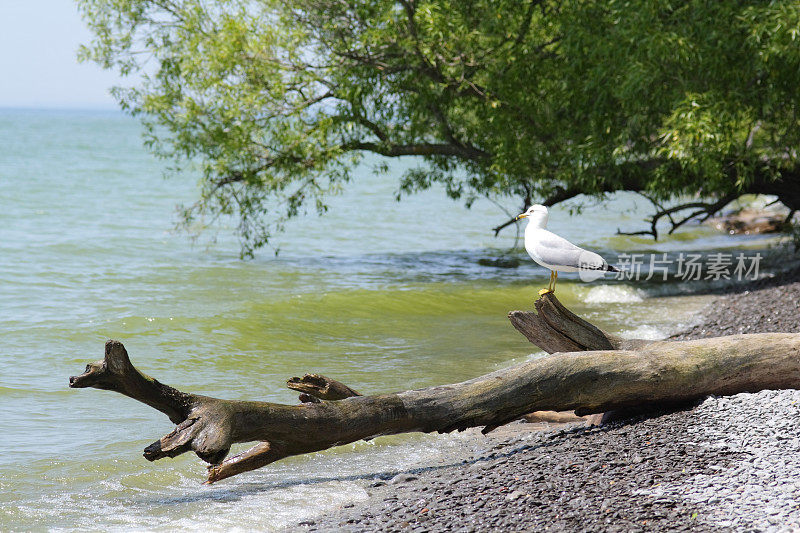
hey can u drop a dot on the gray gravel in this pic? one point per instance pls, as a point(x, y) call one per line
point(769, 305)
point(728, 464)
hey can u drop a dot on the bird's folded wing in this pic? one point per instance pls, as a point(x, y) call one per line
point(557, 251)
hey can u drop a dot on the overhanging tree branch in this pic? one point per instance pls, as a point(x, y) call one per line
point(560, 194)
point(488, 93)
point(418, 149)
point(700, 209)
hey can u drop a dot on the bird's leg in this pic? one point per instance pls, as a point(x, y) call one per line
point(549, 286)
point(555, 280)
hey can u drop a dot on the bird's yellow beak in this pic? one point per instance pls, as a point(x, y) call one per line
point(523, 215)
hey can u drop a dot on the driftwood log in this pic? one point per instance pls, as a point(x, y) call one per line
point(593, 373)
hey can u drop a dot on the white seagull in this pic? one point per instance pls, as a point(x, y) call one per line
point(556, 253)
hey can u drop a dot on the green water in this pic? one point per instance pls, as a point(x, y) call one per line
point(381, 295)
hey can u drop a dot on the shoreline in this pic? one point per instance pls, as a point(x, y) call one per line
point(726, 464)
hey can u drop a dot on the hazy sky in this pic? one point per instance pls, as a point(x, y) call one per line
point(38, 44)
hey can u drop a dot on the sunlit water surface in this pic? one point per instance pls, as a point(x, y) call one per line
point(381, 295)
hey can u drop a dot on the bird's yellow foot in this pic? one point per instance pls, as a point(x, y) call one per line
point(544, 291)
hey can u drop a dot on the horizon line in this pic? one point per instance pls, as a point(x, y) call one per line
point(56, 107)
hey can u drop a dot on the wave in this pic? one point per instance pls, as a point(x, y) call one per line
point(613, 294)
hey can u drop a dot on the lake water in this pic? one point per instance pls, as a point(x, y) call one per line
point(381, 295)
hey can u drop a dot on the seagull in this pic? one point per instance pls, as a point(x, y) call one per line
point(556, 253)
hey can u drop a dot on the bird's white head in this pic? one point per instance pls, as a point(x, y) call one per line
point(537, 215)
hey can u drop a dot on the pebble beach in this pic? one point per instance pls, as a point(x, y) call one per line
point(726, 463)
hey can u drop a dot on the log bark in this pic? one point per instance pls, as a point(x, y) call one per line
point(554, 328)
point(587, 382)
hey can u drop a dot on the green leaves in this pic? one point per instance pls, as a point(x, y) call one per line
point(276, 102)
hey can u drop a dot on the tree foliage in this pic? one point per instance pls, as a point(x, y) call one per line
point(539, 100)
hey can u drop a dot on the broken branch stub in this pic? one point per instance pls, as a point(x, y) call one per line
point(554, 328)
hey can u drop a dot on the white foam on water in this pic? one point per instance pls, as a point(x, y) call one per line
point(613, 294)
point(532, 357)
point(275, 497)
point(645, 331)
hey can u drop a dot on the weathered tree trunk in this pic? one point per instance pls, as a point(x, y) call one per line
point(592, 381)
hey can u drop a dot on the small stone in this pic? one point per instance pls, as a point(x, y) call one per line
point(402, 478)
point(515, 495)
